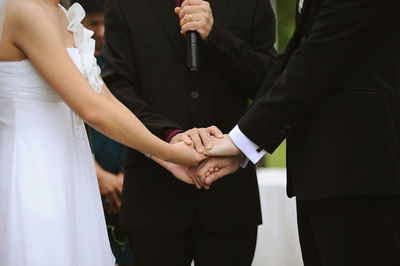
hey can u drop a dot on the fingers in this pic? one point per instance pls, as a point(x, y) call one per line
point(115, 198)
point(197, 16)
point(196, 139)
point(181, 137)
point(203, 170)
point(195, 173)
point(195, 178)
point(192, 175)
point(195, 6)
point(205, 138)
point(192, 2)
point(202, 137)
point(214, 131)
point(109, 206)
point(177, 10)
point(195, 11)
point(186, 139)
point(198, 26)
point(215, 176)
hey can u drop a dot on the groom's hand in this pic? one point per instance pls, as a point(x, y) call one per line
point(200, 138)
point(223, 146)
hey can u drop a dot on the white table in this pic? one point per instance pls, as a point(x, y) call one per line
point(278, 242)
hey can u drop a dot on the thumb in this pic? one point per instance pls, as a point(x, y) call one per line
point(177, 10)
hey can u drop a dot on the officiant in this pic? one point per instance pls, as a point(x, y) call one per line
point(146, 67)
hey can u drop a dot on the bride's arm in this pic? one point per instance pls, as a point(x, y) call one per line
point(36, 35)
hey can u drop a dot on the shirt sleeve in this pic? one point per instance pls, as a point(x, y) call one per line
point(251, 150)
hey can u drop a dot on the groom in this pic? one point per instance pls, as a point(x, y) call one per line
point(172, 223)
point(337, 101)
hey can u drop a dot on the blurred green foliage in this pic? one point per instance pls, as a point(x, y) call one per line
point(285, 13)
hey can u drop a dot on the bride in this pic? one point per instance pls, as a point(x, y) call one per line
point(50, 207)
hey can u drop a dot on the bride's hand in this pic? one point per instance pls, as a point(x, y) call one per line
point(184, 154)
point(180, 172)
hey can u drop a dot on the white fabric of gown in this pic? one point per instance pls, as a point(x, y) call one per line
point(50, 207)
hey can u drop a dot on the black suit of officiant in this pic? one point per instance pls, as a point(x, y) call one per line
point(336, 97)
point(145, 68)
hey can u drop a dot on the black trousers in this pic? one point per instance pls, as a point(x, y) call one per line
point(206, 248)
point(353, 231)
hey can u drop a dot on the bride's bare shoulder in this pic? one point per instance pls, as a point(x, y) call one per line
point(25, 11)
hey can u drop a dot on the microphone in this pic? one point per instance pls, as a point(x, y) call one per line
point(192, 50)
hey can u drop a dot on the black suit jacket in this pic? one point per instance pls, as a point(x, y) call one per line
point(145, 67)
point(336, 100)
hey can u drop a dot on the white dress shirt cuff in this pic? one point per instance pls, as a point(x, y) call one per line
point(253, 152)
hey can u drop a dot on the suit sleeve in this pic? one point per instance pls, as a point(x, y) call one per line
point(243, 64)
point(337, 37)
point(120, 74)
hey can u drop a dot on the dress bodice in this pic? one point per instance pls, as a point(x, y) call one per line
point(21, 80)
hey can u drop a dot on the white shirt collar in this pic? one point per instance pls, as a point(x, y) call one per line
point(301, 2)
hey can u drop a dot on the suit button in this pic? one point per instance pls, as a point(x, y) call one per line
point(194, 94)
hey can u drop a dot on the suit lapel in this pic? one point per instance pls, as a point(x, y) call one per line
point(170, 22)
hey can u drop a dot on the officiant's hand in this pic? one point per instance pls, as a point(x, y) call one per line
point(223, 147)
point(215, 168)
point(196, 15)
point(200, 138)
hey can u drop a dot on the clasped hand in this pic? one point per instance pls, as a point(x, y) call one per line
point(222, 156)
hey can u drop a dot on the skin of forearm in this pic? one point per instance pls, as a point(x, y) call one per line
point(114, 120)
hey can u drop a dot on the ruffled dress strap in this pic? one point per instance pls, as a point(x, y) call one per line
point(85, 44)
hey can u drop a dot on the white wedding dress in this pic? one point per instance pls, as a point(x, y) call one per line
point(50, 207)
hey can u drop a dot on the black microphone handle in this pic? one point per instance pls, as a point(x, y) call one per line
point(192, 50)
